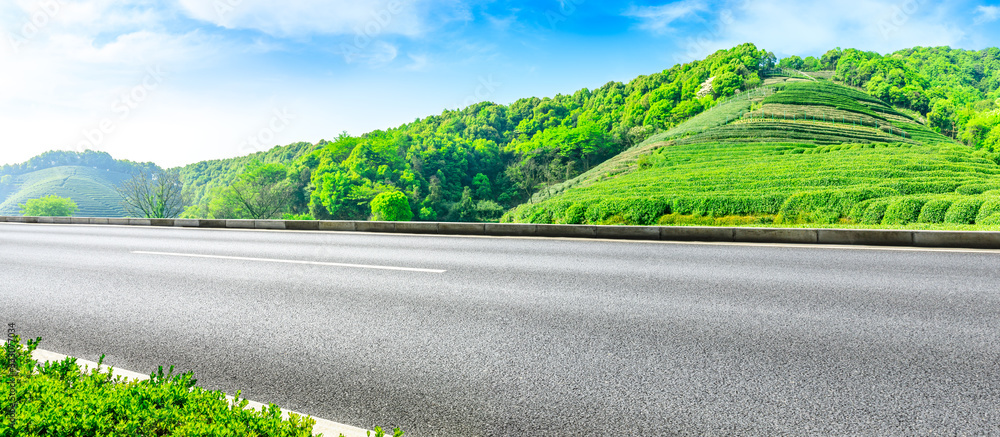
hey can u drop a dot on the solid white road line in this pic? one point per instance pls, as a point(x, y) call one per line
point(289, 261)
point(326, 427)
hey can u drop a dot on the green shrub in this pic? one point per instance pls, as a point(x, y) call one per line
point(963, 212)
point(992, 220)
point(839, 201)
point(540, 215)
point(875, 212)
point(989, 208)
point(392, 206)
point(934, 211)
point(49, 206)
point(575, 214)
point(973, 189)
point(604, 209)
point(640, 211)
point(488, 211)
point(903, 211)
point(297, 217)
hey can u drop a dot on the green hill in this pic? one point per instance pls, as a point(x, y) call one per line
point(788, 153)
point(92, 190)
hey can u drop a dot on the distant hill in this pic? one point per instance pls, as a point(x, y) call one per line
point(87, 177)
point(802, 152)
point(92, 190)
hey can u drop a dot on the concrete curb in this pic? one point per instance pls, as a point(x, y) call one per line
point(326, 427)
point(865, 237)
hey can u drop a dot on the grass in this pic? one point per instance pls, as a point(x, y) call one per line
point(92, 190)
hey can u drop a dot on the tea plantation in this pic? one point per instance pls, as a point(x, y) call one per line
point(93, 190)
point(798, 153)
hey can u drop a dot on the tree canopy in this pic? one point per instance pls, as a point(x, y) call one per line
point(49, 206)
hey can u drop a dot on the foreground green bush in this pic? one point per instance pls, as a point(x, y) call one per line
point(56, 399)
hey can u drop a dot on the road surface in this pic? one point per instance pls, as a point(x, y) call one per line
point(508, 336)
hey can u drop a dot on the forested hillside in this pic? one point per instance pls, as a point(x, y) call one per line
point(474, 163)
point(206, 179)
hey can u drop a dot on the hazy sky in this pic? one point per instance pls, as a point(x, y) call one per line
point(179, 81)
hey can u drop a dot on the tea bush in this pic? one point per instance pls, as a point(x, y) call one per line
point(903, 211)
point(963, 212)
point(934, 211)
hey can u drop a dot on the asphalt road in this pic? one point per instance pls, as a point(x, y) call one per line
point(529, 336)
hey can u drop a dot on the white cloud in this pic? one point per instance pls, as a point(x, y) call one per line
point(296, 18)
point(802, 28)
point(659, 18)
point(419, 62)
point(987, 14)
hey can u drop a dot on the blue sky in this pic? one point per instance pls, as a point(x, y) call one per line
point(179, 81)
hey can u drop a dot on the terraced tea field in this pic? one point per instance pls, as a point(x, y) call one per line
point(91, 189)
point(885, 168)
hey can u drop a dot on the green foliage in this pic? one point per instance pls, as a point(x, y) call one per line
point(260, 193)
point(488, 211)
point(963, 211)
point(297, 217)
point(392, 206)
point(988, 211)
point(874, 212)
point(575, 214)
point(396, 432)
point(903, 211)
point(49, 206)
point(934, 211)
point(57, 398)
point(207, 179)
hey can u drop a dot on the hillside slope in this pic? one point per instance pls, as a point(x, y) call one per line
point(92, 189)
point(790, 153)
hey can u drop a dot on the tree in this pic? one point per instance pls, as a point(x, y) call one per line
point(49, 206)
point(261, 192)
point(391, 206)
point(942, 117)
point(152, 195)
point(465, 209)
point(484, 190)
